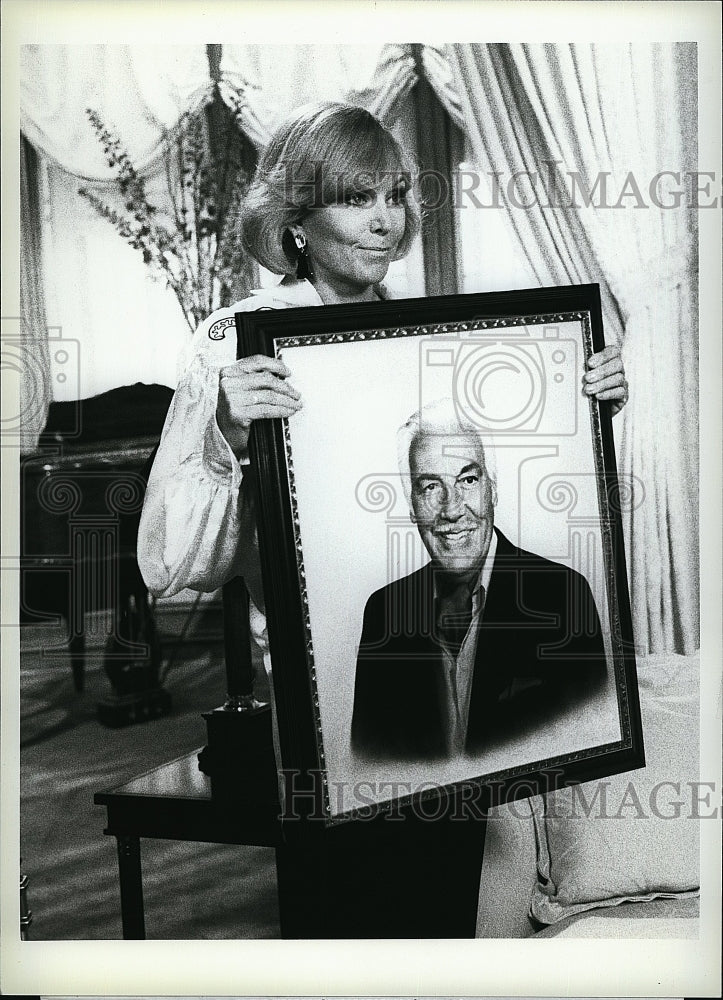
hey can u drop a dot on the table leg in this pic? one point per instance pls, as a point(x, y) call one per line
point(131, 887)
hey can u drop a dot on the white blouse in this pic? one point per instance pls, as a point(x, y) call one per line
point(197, 528)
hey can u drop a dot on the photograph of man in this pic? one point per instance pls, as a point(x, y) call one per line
point(486, 641)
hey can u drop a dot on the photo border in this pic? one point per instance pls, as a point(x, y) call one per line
point(593, 967)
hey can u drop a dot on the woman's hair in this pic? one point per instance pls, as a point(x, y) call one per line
point(313, 157)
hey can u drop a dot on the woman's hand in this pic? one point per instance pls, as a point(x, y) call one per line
point(606, 377)
point(252, 389)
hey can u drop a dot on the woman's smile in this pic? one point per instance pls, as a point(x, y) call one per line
point(351, 243)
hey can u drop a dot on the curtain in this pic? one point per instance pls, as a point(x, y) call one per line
point(438, 71)
point(121, 325)
point(125, 326)
point(506, 136)
point(138, 90)
point(624, 113)
point(33, 352)
point(268, 81)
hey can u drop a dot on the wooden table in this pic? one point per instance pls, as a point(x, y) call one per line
point(373, 879)
point(173, 802)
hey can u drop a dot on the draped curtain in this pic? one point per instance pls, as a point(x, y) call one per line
point(272, 80)
point(618, 109)
point(97, 289)
point(34, 358)
point(121, 326)
point(141, 90)
point(627, 112)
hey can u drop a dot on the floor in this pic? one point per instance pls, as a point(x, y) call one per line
point(192, 891)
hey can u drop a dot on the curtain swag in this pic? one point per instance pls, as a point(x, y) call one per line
point(618, 109)
point(141, 92)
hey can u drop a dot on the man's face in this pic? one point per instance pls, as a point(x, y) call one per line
point(453, 501)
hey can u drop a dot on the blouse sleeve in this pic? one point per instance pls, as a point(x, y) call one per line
point(197, 527)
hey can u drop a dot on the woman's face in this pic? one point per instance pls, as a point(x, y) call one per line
point(351, 243)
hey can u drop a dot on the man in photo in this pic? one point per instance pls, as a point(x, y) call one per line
point(486, 641)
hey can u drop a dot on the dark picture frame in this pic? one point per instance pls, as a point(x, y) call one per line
point(295, 470)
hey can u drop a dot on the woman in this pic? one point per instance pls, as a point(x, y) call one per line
point(327, 209)
point(330, 208)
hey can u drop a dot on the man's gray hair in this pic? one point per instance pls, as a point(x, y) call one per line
point(440, 419)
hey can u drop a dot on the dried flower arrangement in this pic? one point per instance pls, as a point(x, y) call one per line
point(200, 255)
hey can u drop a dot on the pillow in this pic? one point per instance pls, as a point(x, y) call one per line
point(631, 837)
point(509, 870)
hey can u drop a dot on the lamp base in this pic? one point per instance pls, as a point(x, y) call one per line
point(239, 757)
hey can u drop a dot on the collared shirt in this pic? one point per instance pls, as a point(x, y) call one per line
point(457, 673)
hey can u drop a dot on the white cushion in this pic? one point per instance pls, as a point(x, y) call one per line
point(640, 840)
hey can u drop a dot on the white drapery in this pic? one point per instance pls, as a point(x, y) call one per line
point(123, 327)
point(138, 90)
point(126, 326)
point(629, 112)
point(32, 361)
point(272, 80)
point(98, 291)
point(619, 109)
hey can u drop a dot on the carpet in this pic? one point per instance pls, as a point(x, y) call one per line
point(192, 891)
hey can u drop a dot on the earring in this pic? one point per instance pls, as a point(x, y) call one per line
point(303, 264)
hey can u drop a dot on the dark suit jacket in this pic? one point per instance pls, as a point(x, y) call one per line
point(539, 646)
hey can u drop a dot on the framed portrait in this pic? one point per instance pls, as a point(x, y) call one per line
point(442, 556)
